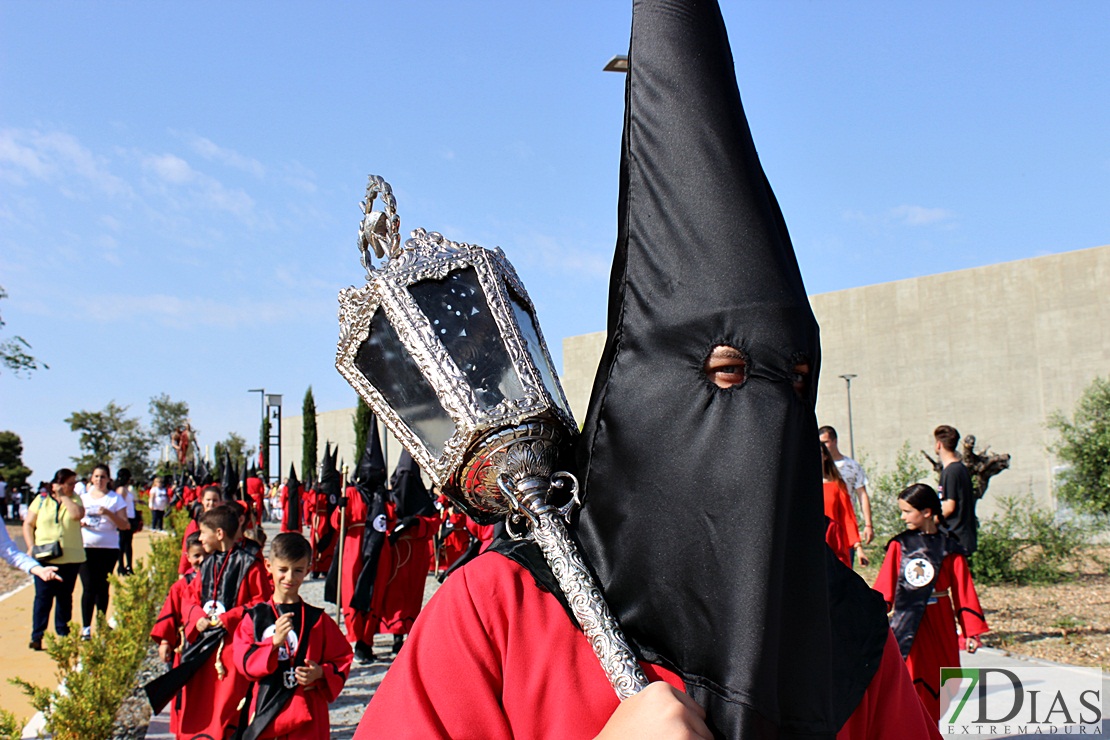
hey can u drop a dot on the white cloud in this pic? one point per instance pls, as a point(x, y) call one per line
point(229, 157)
point(170, 167)
point(920, 215)
point(903, 215)
point(56, 157)
point(177, 312)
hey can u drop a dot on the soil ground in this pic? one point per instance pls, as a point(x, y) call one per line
point(1066, 622)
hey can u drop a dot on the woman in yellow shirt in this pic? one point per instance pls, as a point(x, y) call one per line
point(56, 518)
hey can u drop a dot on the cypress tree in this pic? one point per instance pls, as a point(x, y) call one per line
point(364, 417)
point(308, 450)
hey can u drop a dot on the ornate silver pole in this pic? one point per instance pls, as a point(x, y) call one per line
point(546, 526)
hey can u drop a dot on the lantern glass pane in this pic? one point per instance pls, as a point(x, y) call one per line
point(530, 331)
point(461, 319)
point(386, 363)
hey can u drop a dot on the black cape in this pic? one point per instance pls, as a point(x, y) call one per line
point(370, 485)
point(291, 516)
point(703, 515)
point(912, 596)
point(408, 490)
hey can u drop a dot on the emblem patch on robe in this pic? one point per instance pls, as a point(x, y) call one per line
point(918, 572)
point(292, 641)
point(380, 522)
point(214, 608)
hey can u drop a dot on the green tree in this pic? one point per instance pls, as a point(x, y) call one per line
point(885, 485)
point(264, 446)
point(13, 352)
point(364, 417)
point(110, 436)
point(11, 460)
point(1084, 445)
point(167, 415)
point(308, 449)
point(236, 448)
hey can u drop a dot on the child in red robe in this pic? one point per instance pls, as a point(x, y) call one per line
point(293, 653)
point(210, 498)
point(231, 580)
point(170, 622)
point(926, 579)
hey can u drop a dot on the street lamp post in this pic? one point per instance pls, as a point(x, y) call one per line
point(851, 435)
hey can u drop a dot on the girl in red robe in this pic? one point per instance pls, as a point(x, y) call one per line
point(838, 507)
point(926, 579)
point(209, 499)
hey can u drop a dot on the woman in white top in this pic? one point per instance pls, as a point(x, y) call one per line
point(105, 516)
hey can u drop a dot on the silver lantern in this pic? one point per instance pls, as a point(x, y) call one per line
point(443, 344)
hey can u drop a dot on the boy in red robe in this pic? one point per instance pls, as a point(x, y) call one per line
point(256, 490)
point(233, 578)
point(169, 625)
point(293, 653)
point(326, 495)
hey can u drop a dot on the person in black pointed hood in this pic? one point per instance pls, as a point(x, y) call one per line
point(702, 515)
point(363, 543)
point(291, 502)
point(325, 497)
point(699, 466)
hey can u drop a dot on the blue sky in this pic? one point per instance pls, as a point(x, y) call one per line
point(179, 182)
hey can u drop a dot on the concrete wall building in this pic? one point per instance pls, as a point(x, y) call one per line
point(993, 351)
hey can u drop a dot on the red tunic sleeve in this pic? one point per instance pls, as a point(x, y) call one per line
point(887, 580)
point(169, 619)
point(335, 658)
point(255, 660)
point(965, 601)
point(890, 706)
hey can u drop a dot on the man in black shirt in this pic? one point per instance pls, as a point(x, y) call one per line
point(957, 496)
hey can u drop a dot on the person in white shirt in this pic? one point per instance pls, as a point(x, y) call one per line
point(159, 499)
point(126, 536)
point(105, 516)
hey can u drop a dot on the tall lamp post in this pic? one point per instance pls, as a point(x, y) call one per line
point(851, 435)
point(272, 409)
point(262, 397)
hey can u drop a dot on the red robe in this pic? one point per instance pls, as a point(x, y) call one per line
point(210, 703)
point(256, 489)
point(321, 535)
point(834, 538)
point(356, 622)
point(166, 627)
point(305, 717)
point(838, 507)
point(183, 566)
point(402, 571)
point(934, 644)
point(496, 658)
point(455, 541)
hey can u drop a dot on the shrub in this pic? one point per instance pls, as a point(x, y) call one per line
point(1085, 446)
point(99, 673)
point(883, 489)
point(10, 727)
point(1025, 544)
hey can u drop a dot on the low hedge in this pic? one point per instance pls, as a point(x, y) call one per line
point(95, 675)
